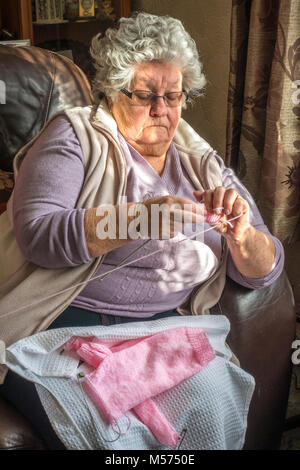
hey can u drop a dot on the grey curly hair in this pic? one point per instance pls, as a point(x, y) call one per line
point(144, 38)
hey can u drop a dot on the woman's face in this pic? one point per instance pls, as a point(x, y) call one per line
point(150, 129)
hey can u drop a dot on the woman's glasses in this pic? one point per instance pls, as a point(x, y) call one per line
point(146, 98)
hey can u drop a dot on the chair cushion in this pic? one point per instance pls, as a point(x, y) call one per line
point(15, 431)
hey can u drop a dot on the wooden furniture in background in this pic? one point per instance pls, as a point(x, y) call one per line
point(70, 37)
point(16, 16)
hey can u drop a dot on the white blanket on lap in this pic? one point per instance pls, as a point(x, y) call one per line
point(212, 405)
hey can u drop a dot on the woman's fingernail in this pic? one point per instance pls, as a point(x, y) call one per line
point(227, 211)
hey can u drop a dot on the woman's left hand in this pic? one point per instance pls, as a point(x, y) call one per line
point(229, 204)
point(252, 251)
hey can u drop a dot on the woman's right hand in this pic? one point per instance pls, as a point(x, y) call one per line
point(166, 215)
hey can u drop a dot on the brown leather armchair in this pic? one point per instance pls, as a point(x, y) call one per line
point(38, 84)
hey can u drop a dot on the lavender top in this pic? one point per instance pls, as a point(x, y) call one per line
point(50, 230)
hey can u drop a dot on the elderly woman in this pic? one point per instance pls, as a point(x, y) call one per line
point(129, 152)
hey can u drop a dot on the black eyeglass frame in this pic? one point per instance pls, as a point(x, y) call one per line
point(155, 96)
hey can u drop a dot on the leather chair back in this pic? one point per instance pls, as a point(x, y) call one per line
point(37, 83)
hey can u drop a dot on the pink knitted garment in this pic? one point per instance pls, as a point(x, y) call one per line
point(93, 353)
point(211, 218)
point(127, 374)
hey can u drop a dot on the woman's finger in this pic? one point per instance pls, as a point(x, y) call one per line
point(207, 199)
point(198, 195)
point(240, 206)
point(230, 197)
point(217, 202)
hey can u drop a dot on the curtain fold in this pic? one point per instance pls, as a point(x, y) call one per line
point(263, 116)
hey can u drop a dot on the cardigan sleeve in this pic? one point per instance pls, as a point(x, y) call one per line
point(230, 180)
point(48, 228)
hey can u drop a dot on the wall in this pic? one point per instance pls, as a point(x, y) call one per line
point(208, 22)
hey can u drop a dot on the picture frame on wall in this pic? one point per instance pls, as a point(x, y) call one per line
point(86, 8)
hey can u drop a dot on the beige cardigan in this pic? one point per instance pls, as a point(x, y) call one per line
point(23, 283)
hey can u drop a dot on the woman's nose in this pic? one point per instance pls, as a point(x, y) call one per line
point(158, 107)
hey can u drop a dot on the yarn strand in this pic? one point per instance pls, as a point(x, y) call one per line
point(119, 266)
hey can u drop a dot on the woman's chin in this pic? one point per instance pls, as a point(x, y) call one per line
point(157, 140)
point(156, 148)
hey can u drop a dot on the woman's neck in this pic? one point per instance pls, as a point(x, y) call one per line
point(157, 163)
point(155, 155)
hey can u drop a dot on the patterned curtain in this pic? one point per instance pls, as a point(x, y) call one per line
point(263, 125)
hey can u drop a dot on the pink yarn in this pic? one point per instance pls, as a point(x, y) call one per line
point(129, 373)
point(212, 218)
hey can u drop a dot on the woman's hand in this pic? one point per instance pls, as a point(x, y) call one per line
point(167, 215)
point(156, 218)
point(229, 204)
point(252, 251)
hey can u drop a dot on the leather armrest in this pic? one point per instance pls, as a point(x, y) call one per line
point(16, 433)
point(263, 325)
